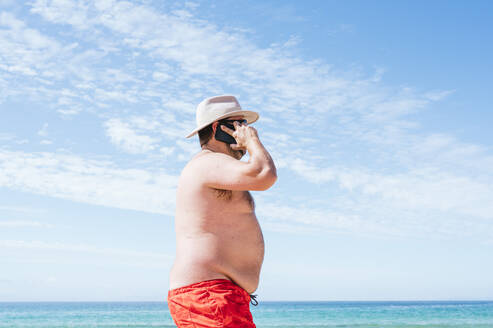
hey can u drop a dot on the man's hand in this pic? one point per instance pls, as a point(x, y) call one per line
point(258, 173)
point(243, 135)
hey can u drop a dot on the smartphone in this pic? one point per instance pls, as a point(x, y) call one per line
point(224, 136)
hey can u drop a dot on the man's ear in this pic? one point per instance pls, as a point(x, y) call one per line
point(215, 126)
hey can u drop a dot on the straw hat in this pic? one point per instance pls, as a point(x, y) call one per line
point(217, 108)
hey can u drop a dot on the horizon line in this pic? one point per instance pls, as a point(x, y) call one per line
point(277, 301)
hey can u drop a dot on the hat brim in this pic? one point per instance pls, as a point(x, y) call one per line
point(249, 115)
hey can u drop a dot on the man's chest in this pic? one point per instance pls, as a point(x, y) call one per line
point(233, 198)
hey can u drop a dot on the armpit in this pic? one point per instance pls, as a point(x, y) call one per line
point(227, 195)
point(223, 194)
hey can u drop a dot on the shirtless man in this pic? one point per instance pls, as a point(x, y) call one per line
point(220, 248)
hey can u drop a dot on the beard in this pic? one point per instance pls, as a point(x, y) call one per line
point(238, 154)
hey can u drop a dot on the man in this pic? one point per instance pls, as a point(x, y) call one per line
point(219, 243)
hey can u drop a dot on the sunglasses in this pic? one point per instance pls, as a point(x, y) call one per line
point(232, 121)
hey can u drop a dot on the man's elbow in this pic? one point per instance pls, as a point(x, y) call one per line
point(267, 178)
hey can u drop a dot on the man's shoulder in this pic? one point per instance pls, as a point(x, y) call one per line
point(203, 165)
point(195, 172)
point(204, 157)
point(200, 161)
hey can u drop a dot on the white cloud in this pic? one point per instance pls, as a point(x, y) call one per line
point(43, 132)
point(82, 248)
point(6, 3)
point(22, 209)
point(63, 11)
point(167, 150)
point(127, 139)
point(374, 215)
point(310, 172)
point(447, 153)
point(176, 43)
point(24, 224)
point(69, 111)
point(416, 188)
point(24, 50)
point(115, 95)
point(189, 147)
point(311, 217)
point(88, 181)
point(6, 136)
point(435, 190)
point(11, 138)
point(438, 95)
point(160, 76)
point(186, 70)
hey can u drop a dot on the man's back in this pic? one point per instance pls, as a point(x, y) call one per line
point(217, 232)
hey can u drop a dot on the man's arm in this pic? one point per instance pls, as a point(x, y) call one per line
point(221, 171)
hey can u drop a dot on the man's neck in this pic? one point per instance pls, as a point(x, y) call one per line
point(219, 147)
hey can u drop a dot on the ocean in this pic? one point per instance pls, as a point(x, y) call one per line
point(455, 314)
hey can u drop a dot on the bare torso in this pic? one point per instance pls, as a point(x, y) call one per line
point(217, 235)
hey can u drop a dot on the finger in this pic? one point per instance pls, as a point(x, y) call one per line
point(237, 123)
point(227, 130)
point(236, 147)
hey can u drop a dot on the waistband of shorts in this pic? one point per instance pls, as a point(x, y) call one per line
point(204, 284)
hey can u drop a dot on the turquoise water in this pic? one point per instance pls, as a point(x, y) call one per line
point(267, 314)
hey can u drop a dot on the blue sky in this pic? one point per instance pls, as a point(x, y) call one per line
point(377, 115)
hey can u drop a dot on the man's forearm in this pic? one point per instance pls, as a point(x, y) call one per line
point(260, 160)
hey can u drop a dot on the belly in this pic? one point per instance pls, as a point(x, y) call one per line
point(231, 248)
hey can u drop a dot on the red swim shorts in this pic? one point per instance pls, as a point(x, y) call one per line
point(212, 303)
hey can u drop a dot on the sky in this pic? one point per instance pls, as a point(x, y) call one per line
point(377, 114)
